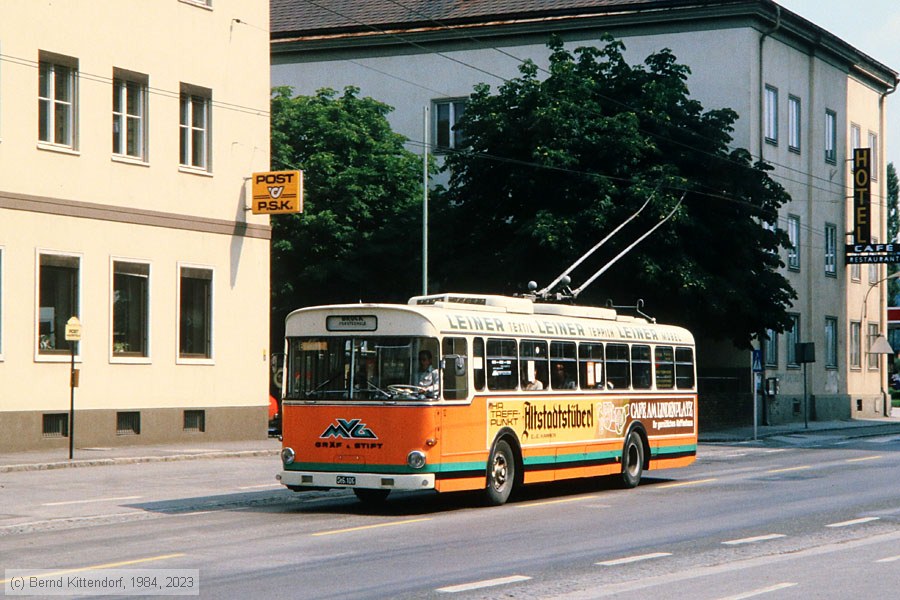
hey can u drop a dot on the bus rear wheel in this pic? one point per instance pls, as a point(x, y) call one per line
point(632, 460)
point(501, 474)
point(371, 496)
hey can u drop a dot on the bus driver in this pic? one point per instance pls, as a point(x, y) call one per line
point(427, 376)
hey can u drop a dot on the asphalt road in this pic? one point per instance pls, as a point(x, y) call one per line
point(796, 517)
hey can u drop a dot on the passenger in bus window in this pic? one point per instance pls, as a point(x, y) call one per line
point(561, 378)
point(533, 385)
point(427, 376)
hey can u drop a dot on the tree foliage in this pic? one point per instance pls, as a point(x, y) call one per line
point(357, 238)
point(558, 159)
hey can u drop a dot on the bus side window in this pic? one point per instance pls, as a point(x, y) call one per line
point(502, 364)
point(478, 363)
point(533, 361)
point(563, 366)
point(590, 366)
point(665, 367)
point(618, 370)
point(640, 367)
point(455, 384)
point(684, 368)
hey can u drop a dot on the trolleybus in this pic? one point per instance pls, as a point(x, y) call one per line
point(519, 391)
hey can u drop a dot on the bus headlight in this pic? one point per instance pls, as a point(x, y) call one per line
point(416, 459)
point(288, 456)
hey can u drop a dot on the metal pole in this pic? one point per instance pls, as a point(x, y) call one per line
point(805, 399)
point(425, 204)
point(72, 401)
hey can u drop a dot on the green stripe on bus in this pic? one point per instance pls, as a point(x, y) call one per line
point(662, 452)
point(379, 468)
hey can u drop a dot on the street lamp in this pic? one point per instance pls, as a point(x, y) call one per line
point(879, 345)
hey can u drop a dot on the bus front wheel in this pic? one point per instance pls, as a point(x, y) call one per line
point(371, 496)
point(501, 474)
point(632, 460)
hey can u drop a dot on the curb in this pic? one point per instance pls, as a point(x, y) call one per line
point(127, 460)
point(848, 432)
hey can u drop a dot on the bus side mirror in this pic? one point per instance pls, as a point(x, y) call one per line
point(459, 363)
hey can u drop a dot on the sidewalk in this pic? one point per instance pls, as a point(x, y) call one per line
point(58, 458)
point(851, 428)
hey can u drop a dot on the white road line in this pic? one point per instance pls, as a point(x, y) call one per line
point(760, 592)
point(753, 540)
point(853, 522)
point(90, 501)
point(262, 485)
point(632, 559)
point(888, 559)
point(477, 585)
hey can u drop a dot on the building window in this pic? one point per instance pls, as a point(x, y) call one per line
point(770, 348)
point(791, 339)
point(873, 146)
point(771, 114)
point(131, 309)
point(830, 136)
point(794, 239)
point(128, 423)
point(855, 138)
point(855, 273)
point(794, 124)
point(873, 268)
point(830, 250)
point(195, 313)
point(872, 361)
point(59, 294)
point(195, 420)
point(831, 343)
point(57, 87)
point(855, 362)
point(129, 126)
point(55, 425)
point(195, 127)
point(446, 115)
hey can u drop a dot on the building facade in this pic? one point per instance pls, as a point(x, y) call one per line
point(127, 133)
point(804, 97)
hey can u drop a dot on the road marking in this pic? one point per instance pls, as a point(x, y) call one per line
point(632, 559)
point(262, 485)
point(560, 501)
point(853, 522)
point(477, 585)
point(789, 469)
point(685, 483)
point(883, 440)
point(760, 592)
point(364, 527)
point(752, 540)
point(90, 501)
point(888, 559)
point(114, 565)
point(855, 460)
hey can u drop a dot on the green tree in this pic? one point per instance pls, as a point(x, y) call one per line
point(558, 159)
point(893, 191)
point(357, 238)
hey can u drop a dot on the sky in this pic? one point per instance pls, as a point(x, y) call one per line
point(871, 26)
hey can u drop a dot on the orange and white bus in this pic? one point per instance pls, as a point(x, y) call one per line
point(518, 392)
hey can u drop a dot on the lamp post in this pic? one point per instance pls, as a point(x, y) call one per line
point(879, 345)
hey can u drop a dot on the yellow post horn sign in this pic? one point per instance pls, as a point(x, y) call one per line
point(277, 192)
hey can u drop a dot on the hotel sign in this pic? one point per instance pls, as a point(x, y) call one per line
point(862, 196)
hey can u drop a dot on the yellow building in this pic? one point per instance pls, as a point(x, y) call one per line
point(128, 132)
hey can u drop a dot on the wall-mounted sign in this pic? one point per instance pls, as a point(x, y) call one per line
point(862, 196)
point(277, 192)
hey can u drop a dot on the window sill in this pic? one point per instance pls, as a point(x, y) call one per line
point(129, 160)
point(130, 360)
point(183, 360)
point(194, 171)
point(62, 357)
point(57, 148)
point(794, 149)
point(198, 4)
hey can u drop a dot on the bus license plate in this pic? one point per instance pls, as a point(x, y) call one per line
point(345, 480)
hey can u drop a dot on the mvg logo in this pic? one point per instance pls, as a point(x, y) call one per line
point(353, 429)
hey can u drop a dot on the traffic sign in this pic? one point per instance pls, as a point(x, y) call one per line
point(757, 361)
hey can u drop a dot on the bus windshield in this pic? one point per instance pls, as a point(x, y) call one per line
point(362, 368)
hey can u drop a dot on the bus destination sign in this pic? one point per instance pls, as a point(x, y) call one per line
point(351, 323)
